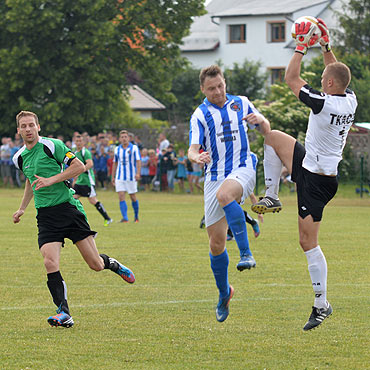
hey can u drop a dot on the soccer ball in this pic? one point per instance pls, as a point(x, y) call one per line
point(314, 33)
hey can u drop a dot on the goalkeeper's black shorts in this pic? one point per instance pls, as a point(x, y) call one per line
point(313, 191)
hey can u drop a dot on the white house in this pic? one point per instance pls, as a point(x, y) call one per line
point(257, 30)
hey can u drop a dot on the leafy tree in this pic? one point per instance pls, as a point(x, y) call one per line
point(246, 79)
point(354, 19)
point(67, 60)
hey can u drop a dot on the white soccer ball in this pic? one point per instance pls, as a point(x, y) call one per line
point(314, 33)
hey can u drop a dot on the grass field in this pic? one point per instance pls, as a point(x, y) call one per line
point(166, 320)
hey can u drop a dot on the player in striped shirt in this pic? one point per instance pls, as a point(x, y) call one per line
point(126, 173)
point(314, 166)
point(219, 127)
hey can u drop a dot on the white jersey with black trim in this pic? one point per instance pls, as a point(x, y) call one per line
point(222, 132)
point(330, 119)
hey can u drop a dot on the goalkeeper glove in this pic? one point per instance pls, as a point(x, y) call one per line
point(324, 39)
point(305, 36)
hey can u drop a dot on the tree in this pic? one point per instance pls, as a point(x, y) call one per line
point(354, 19)
point(67, 60)
point(246, 79)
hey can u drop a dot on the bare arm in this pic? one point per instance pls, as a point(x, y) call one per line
point(138, 169)
point(89, 164)
point(27, 196)
point(76, 168)
point(114, 168)
point(329, 57)
point(195, 156)
point(293, 74)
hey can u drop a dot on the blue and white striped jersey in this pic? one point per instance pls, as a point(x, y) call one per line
point(222, 132)
point(126, 162)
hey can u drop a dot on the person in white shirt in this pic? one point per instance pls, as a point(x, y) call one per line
point(219, 127)
point(313, 167)
point(126, 173)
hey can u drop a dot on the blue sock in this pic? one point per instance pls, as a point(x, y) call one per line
point(135, 206)
point(219, 266)
point(123, 208)
point(236, 219)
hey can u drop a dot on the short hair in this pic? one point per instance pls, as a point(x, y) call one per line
point(340, 72)
point(211, 71)
point(78, 136)
point(24, 113)
point(123, 132)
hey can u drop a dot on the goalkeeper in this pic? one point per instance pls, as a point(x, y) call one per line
point(313, 166)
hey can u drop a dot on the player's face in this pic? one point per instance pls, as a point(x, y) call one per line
point(124, 139)
point(79, 142)
point(28, 129)
point(214, 88)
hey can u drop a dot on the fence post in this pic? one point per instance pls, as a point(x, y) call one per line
point(362, 176)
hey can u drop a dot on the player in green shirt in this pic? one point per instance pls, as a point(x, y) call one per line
point(59, 215)
point(84, 184)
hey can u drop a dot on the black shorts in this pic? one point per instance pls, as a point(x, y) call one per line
point(62, 221)
point(145, 180)
point(83, 190)
point(313, 191)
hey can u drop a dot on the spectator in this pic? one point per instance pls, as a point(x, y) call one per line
point(102, 167)
point(189, 174)
point(153, 165)
point(197, 174)
point(139, 143)
point(171, 164)
point(5, 155)
point(15, 172)
point(181, 171)
point(145, 179)
point(162, 159)
point(110, 165)
point(163, 143)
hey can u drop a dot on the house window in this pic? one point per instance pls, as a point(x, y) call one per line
point(237, 33)
point(276, 32)
point(277, 75)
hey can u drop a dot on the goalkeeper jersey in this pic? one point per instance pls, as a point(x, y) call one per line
point(88, 177)
point(330, 119)
point(46, 159)
point(222, 132)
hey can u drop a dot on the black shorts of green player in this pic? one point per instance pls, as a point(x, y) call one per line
point(60, 222)
point(314, 191)
point(83, 190)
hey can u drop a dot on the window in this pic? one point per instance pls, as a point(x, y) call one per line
point(237, 33)
point(277, 75)
point(276, 31)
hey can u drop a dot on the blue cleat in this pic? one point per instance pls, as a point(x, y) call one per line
point(61, 319)
point(222, 309)
point(256, 229)
point(246, 262)
point(123, 271)
point(229, 238)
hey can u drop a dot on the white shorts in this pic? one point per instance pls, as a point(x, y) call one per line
point(127, 186)
point(213, 212)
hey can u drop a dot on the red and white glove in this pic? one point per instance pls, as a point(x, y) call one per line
point(324, 39)
point(305, 36)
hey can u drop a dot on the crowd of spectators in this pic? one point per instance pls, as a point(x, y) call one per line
point(161, 166)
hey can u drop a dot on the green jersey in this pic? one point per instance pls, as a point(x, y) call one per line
point(86, 178)
point(46, 159)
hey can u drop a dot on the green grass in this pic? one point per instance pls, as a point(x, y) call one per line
point(166, 319)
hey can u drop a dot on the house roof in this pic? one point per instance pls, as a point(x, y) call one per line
point(141, 100)
point(204, 33)
point(264, 7)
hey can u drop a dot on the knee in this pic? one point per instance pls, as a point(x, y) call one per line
point(224, 198)
point(51, 264)
point(270, 137)
point(305, 241)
